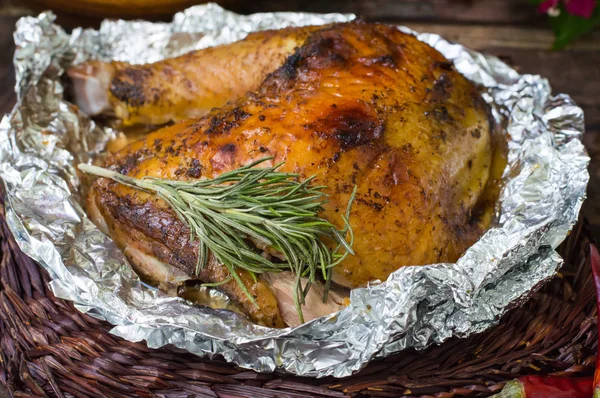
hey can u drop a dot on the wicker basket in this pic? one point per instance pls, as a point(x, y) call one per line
point(48, 348)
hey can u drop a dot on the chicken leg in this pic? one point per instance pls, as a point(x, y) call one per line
point(185, 86)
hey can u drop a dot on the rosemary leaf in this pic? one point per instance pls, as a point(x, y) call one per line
point(229, 213)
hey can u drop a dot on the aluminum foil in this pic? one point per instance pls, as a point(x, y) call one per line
point(45, 136)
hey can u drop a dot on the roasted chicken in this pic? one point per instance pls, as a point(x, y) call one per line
point(355, 104)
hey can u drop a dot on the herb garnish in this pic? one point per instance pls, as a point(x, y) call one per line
point(225, 214)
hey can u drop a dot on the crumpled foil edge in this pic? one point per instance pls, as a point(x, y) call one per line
point(45, 136)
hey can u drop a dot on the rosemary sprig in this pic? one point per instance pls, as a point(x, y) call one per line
point(228, 215)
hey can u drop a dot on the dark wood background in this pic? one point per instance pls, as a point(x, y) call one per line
point(510, 29)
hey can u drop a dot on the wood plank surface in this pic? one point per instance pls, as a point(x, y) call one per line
point(510, 29)
point(488, 11)
point(442, 11)
point(7, 74)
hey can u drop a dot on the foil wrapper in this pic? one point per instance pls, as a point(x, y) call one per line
point(45, 136)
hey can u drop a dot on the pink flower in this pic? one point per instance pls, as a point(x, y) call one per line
point(581, 8)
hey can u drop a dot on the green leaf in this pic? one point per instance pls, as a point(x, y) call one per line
point(568, 27)
point(512, 389)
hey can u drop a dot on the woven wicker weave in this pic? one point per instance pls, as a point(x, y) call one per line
point(50, 349)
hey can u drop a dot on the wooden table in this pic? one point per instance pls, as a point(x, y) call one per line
point(510, 29)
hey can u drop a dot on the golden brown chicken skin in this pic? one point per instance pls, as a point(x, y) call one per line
point(357, 104)
point(185, 86)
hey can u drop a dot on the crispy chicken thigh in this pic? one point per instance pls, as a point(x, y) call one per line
point(356, 104)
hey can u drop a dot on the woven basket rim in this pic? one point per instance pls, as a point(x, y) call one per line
point(48, 348)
